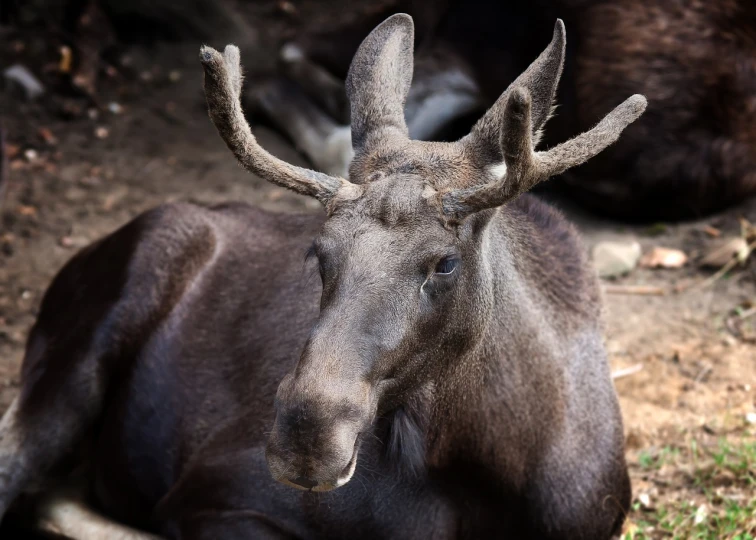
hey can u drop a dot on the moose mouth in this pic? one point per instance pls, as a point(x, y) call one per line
point(346, 473)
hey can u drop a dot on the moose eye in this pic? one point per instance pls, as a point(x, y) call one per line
point(447, 265)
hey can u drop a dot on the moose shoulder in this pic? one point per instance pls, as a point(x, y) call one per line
point(445, 377)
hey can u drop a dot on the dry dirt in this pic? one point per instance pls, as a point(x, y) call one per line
point(698, 378)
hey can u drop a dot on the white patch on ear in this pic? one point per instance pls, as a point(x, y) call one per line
point(497, 171)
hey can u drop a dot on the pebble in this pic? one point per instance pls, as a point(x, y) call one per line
point(614, 259)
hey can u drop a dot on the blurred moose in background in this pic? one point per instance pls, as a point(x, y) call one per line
point(694, 152)
point(691, 154)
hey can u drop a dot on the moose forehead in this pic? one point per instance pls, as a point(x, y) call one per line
point(396, 200)
point(441, 165)
point(396, 213)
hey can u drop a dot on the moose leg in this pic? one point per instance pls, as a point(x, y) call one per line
point(64, 511)
point(93, 318)
point(314, 111)
point(327, 144)
point(51, 415)
point(13, 462)
point(442, 92)
point(325, 89)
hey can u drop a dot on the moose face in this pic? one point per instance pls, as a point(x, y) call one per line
point(395, 301)
point(403, 255)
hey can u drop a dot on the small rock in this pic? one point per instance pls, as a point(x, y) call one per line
point(751, 417)
point(645, 500)
point(614, 259)
point(660, 257)
point(101, 132)
point(31, 155)
point(115, 107)
point(19, 76)
point(174, 76)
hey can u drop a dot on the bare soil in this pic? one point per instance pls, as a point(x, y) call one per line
point(697, 381)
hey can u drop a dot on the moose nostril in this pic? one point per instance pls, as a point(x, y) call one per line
point(304, 482)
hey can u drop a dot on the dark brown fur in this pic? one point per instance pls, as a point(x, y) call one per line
point(693, 153)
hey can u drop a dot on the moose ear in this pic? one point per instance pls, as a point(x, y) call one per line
point(540, 80)
point(379, 80)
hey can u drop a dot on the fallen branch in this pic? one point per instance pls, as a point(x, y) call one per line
point(643, 290)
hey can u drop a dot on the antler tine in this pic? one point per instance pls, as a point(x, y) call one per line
point(586, 145)
point(223, 84)
point(541, 79)
point(526, 168)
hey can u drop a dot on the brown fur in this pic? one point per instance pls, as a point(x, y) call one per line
point(695, 150)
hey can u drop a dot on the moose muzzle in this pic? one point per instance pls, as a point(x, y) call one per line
point(316, 435)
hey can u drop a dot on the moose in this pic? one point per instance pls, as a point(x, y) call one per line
point(445, 377)
point(693, 153)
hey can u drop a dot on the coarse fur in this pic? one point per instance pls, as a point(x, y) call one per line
point(445, 377)
point(694, 152)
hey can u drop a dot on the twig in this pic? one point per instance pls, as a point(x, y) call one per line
point(704, 373)
point(644, 290)
point(626, 372)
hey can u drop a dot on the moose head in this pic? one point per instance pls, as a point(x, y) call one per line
point(406, 256)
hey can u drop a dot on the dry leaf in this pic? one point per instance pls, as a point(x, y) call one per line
point(660, 257)
point(725, 251)
point(66, 59)
point(29, 211)
point(47, 136)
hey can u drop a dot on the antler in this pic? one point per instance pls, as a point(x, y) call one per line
point(541, 78)
point(223, 83)
point(526, 168)
point(510, 128)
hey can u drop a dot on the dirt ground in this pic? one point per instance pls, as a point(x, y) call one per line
point(689, 411)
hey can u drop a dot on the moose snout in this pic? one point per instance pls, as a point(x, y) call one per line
point(315, 439)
